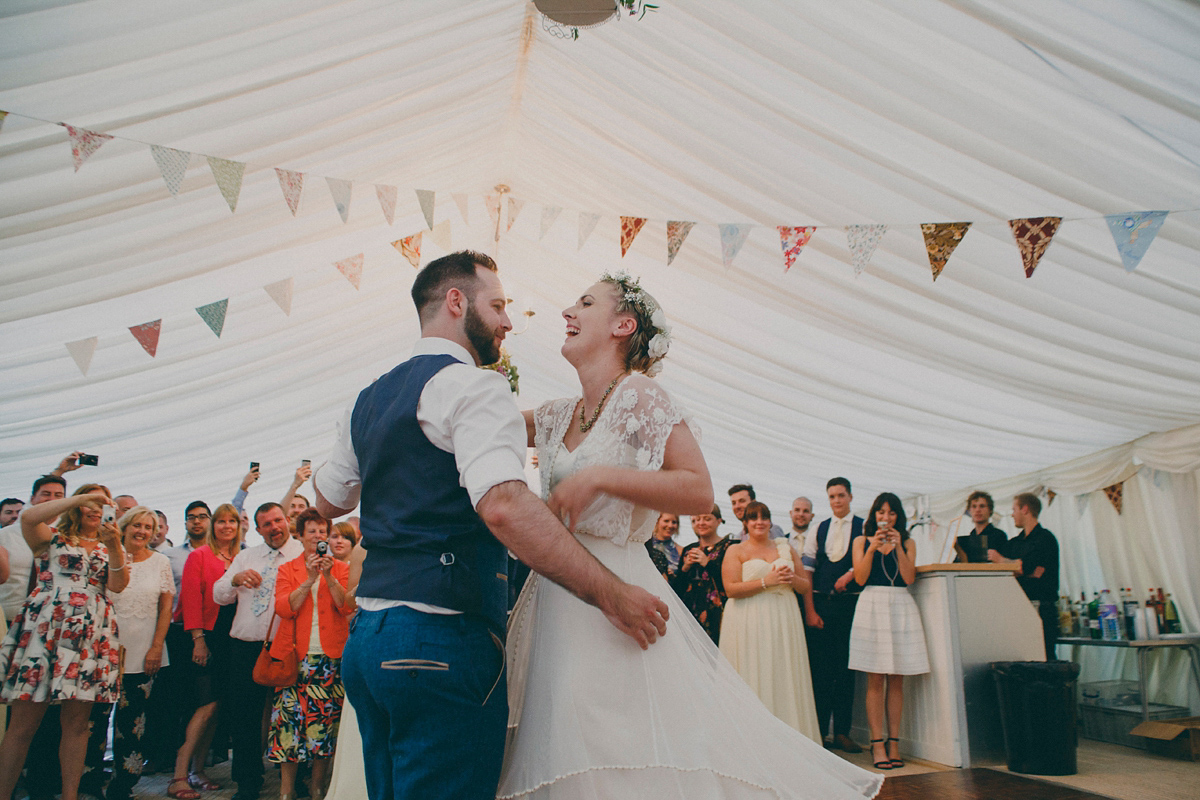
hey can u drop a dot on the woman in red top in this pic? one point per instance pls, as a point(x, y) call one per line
point(207, 672)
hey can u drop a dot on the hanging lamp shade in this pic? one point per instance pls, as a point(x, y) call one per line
point(577, 13)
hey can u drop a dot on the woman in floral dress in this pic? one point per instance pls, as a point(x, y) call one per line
point(698, 581)
point(62, 646)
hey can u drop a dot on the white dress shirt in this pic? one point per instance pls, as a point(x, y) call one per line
point(463, 410)
point(20, 564)
point(836, 541)
point(254, 606)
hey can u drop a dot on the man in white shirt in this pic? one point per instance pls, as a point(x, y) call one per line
point(250, 582)
point(435, 450)
point(20, 558)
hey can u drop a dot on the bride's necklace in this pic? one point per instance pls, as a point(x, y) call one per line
point(584, 427)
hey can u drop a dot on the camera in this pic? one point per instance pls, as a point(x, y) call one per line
point(253, 466)
point(322, 549)
point(88, 461)
point(108, 516)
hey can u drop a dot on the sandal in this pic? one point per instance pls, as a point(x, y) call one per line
point(186, 793)
point(895, 762)
point(885, 762)
point(198, 780)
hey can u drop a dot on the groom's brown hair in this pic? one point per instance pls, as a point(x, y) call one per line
point(455, 271)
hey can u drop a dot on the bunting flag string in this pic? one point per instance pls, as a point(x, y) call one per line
point(1033, 236)
point(862, 241)
point(213, 315)
point(549, 214)
point(425, 200)
point(587, 224)
point(732, 239)
point(793, 240)
point(3, 114)
point(440, 235)
point(387, 201)
point(1133, 234)
point(172, 165)
point(677, 232)
point(410, 248)
point(82, 350)
point(147, 335)
point(341, 190)
point(630, 227)
point(514, 208)
point(461, 201)
point(352, 268)
point(228, 175)
point(940, 240)
point(84, 143)
point(281, 293)
point(1115, 495)
point(291, 183)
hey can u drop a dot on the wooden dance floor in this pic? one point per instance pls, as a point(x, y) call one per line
point(976, 784)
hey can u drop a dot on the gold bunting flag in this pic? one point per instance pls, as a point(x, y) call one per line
point(940, 240)
point(228, 175)
point(1050, 495)
point(291, 183)
point(410, 248)
point(387, 201)
point(352, 268)
point(677, 232)
point(147, 335)
point(630, 226)
point(1115, 494)
point(84, 143)
point(1033, 235)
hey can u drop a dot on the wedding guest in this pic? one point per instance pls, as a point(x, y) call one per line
point(161, 542)
point(698, 581)
point(208, 624)
point(887, 640)
point(10, 509)
point(293, 502)
point(310, 597)
point(984, 536)
point(124, 503)
point(143, 611)
point(740, 496)
point(1034, 551)
point(342, 540)
point(661, 546)
point(802, 517)
point(762, 631)
point(62, 646)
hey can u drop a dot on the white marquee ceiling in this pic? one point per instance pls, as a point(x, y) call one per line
point(762, 112)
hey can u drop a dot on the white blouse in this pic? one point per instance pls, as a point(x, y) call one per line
point(137, 608)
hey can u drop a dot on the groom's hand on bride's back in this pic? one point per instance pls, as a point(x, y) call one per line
point(639, 614)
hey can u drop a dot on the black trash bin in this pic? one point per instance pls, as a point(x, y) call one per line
point(1037, 712)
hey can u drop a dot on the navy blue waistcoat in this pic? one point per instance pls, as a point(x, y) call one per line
point(827, 572)
point(425, 542)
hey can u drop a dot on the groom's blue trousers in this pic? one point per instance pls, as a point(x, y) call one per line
point(432, 703)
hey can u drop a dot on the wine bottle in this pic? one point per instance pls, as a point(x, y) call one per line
point(1093, 612)
point(1171, 617)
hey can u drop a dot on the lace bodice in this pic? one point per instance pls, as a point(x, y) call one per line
point(631, 431)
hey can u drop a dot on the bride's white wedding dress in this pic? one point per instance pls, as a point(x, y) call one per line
point(594, 716)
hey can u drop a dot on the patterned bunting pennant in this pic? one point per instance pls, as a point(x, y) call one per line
point(410, 248)
point(291, 183)
point(81, 350)
point(1133, 234)
point(341, 190)
point(147, 335)
point(793, 240)
point(732, 239)
point(940, 240)
point(3, 114)
point(1115, 494)
point(440, 235)
point(387, 201)
point(172, 164)
point(228, 175)
point(1033, 235)
point(549, 214)
point(352, 268)
point(493, 207)
point(425, 199)
point(514, 208)
point(1050, 495)
point(630, 226)
point(84, 143)
point(677, 231)
point(862, 241)
point(587, 224)
point(461, 201)
point(281, 293)
point(213, 315)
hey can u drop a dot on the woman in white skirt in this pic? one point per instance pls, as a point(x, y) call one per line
point(887, 640)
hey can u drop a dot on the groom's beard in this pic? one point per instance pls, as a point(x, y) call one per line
point(482, 338)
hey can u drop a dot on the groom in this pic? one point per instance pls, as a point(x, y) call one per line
point(434, 450)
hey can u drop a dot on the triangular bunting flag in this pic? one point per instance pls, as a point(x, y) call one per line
point(1133, 234)
point(940, 240)
point(352, 268)
point(172, 164)
point(81, 350)
point(1033, 236)
point(677, 231)
point(1081, 503)
point(147, 335)
point(84, 143)
point(862, 241)
point(341, 189)
point(3, 114)
point(732, 239)
point(514, 208)
point(387, 201)
point(1115, 495)
point(410, 248)
point(440, 235)
point(213, 315)
point(461, 201)
point(229, 178)
point(793, 240)
point(1050, 495)
point(291, 183)
point(281, 293)
point(587, 224)
point(425, 198)
point(549, 214)
point(630, 226)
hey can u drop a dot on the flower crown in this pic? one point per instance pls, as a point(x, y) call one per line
point(647, 309)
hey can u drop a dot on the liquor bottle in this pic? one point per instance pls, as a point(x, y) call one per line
point(1110, 627)
point(1160, 608)
point(1064, 616)
point(1171, 616)
point(1093, 612)
point(1129, 606)
point(1074, 609)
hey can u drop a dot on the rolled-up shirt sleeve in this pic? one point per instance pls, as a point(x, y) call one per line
point(809, 557)
point(338, 479)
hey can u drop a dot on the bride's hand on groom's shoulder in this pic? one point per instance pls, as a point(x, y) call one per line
point(574, 494)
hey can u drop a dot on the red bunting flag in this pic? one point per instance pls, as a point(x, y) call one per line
point(147, 335)
point(940, 240)
point(1033, 236)
point(793, 240)
point(630, 227)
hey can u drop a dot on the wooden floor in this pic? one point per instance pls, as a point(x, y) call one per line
point(977, 784)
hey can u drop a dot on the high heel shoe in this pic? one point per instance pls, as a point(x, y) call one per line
point(895, 762)
point(885, 762)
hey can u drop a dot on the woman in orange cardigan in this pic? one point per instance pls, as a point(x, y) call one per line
point(304, 717)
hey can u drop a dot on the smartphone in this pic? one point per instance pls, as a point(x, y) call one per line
point(253, 466)
point(108, 516)
point(88, 461)
point(306, 463)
